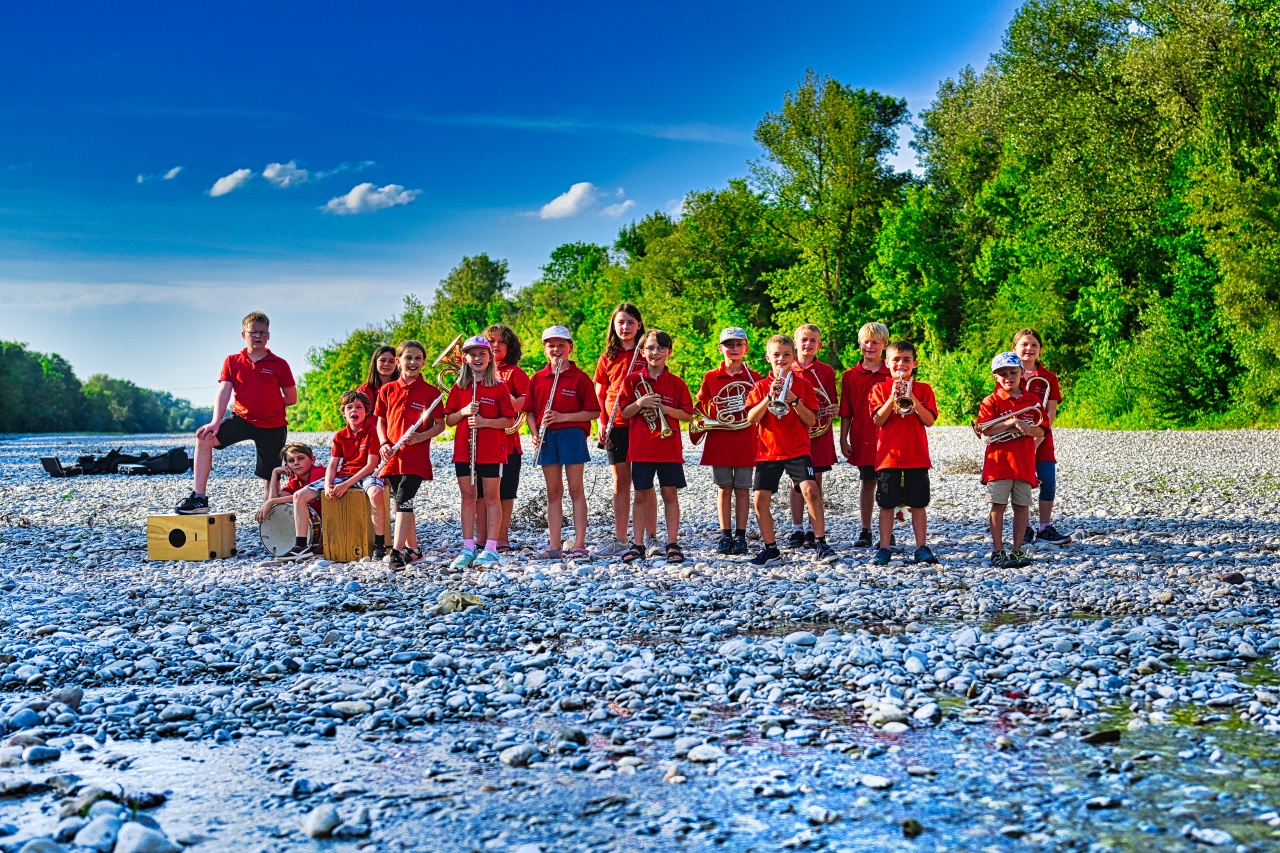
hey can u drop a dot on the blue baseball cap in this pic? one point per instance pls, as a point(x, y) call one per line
point(1005, 359)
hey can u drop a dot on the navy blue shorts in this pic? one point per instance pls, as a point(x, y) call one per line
point(566, 446)
point(669, 474)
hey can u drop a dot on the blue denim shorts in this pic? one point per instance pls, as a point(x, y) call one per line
point(566, 446)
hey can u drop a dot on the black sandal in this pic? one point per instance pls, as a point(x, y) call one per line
point(674, 554)
point(635, 552)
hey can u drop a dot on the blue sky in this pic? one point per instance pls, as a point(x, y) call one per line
point(166, 168)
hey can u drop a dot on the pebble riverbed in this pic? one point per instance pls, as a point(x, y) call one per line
point(1121, 693)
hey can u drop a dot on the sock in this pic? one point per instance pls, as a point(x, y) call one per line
point(769, 545)
point(724, 531)
point(1044, 524)
point(819, 539)
point(380, 539)
point(198, 494)
point(866, 530)
point(299, 541)
point(740, 533)
point(469, 544)
point(491, 545)
point(798, 528)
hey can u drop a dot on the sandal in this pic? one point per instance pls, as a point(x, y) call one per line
point(504, 549)
point(549, 554)
point(635, 552)
point(674, 554)
point(580, 554)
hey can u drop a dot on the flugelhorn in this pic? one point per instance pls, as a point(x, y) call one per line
point(726, 410)
point(451, 357)
point(778, 406)
point(826, 413)
point(654, 418)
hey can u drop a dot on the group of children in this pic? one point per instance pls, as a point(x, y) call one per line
point(756, 428)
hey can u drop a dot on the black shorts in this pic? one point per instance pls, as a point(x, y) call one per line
point(903, 487)
point(269, 441)
point(868, 473)
point(668, 473)
point(769, 474)
point(510, 479)
point(817, 469)
point(483, 470)
point(404, 488)
point(619, 443)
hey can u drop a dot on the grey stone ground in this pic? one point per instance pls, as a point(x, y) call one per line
point(243, 705)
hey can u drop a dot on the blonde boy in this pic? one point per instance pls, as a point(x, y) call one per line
point(857, 429)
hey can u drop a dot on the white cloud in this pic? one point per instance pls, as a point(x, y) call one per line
point(172, 173)
point(231, 182)
point(167, 176)
point(142, 179)
point(675, 207)
point(615, 210)
point(285, 175)
point(577, 200)
point(365, 198)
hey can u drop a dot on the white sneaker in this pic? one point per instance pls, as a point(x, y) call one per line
point(487, 559)
point(613, 549)
point(463, 560)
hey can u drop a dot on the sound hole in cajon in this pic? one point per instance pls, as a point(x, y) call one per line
point(177, 537)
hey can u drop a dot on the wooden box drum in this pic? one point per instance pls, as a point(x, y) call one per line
point(191, 537)
point(277, 530)
point(347, 532)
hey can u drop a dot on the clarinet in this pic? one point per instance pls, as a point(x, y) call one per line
point(542, 427)
point(603, 442)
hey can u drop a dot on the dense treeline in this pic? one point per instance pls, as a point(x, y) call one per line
point(40, 393)
point(1110, 178)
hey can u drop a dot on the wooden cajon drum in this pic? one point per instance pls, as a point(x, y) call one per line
point(346, 528)
point(191, 537)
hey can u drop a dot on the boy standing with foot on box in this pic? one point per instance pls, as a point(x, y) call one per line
point(263, 386)
point(1009, 467)
point(901, 408)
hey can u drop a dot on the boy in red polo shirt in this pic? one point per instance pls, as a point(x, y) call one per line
point(857, 430)
point(731, 453)
point(351, 462)
point(822, 447)
point(782, 444)
point(560, 428)
point(655, 401)
point(401, 404)
point(263, 386)
point(480, 408)
point(1009, 467)
point(901, 408)
point(299, 469)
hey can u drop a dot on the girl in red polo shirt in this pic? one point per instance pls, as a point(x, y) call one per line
point(506, 354)
point(1027, 345)
point(620, 358)
point(479, 403)
point(401, 404)
point(655, 401)
point(383, 368)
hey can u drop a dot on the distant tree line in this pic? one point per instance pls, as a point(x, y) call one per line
point(1111, 178)
point(40, 393)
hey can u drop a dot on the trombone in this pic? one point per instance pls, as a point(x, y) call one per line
point(451, 357)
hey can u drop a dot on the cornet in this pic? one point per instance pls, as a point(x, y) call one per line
point(902, 402)
point(778, 406)
point(655, 419)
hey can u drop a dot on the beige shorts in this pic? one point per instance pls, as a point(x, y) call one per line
point(1001, 491)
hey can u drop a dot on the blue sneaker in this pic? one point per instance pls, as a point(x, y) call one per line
point(925, 555)
point(463, 560)
point(882, 557)
point(487, 559)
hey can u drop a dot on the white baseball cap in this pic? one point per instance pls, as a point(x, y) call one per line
point(733, 333)
point(557, 332)
point(1005, 359)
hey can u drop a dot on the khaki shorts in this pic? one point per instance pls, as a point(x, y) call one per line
point(1000, 492)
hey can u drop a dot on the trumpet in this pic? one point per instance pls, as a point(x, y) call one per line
point(654, 418)
point(726, 410)
point(542, 427)
point(778, 406)
point(902, 402)
point(451, 357)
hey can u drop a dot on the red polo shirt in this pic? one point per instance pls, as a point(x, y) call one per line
point(610, 372)
point(646, 445)
point(1045, 452)
point(821, 375)
point(400, 404)
point(258, 386)
point(901, 442)
point(296, 484)
point(1008, 460)
point(722, 447)
point(355, 448)
point(786, 437)
point(491, 442)
point(518, 385)
point(855, 392)
point(574, 393)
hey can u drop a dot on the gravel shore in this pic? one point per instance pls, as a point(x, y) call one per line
point(1121, 692)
